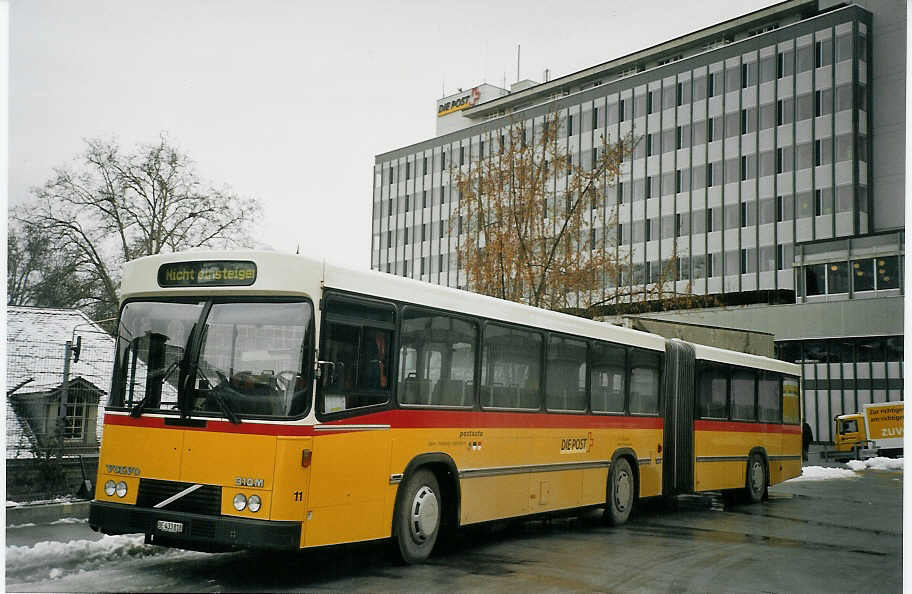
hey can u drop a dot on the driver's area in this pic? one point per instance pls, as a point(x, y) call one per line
point(253, 360)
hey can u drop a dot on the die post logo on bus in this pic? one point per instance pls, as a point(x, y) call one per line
point(576, 445)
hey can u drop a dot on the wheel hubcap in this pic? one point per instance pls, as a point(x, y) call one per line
point(622, 491)
point(424, 514)
point(757, 477)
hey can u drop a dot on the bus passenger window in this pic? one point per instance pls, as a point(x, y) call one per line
point(644, 382)
point(608, 381)
point(511, 368)
point(712, 396)
point(742, 393)
point(566, 374)
point(791, 414)
point(768, 398)
point(360, 355)
point(436, 360)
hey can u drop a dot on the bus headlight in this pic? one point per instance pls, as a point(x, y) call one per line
point(240, 502)
point(254, 503)
point(121, 489)
point(109, 488)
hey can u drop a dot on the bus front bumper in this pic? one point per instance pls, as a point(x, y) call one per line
point(194, 531)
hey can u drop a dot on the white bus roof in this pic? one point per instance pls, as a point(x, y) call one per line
point(708, 353)
point(290, 274)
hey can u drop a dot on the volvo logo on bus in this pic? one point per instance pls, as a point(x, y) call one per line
point(248, 482)
point(116, 469)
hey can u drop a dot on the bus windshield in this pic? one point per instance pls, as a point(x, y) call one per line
point(229, 359)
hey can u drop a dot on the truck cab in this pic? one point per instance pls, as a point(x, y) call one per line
point(850, 432)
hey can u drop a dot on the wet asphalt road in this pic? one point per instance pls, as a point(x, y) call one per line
point(840, 535)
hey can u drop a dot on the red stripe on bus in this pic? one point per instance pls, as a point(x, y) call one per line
point(413, 419)
point(736, 427)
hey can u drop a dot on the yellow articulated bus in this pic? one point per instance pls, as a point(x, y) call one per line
point(265, 400)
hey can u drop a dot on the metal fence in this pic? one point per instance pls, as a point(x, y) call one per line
point(55, 392)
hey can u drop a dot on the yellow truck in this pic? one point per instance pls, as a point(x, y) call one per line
point(876, 431)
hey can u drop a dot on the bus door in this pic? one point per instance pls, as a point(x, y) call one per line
point(350, 478)
point(678, 455)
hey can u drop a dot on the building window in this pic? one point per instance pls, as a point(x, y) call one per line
point(712, 84)
point(422, 264)
point(815, 280)
point(817, 152)
point(461, 156)
point(649, 187)
point(888, 273)
point(595, 118)
point(818, 202)
point(779, 208)
point(780, 260)
point(743, 168)
point(441, 229)
point(709, 175)
point(621, 110)
point(818, 54)
point(76, 417)
point(744, 214)
point(679, 137)
point(424, 167)
point(424, 199)
point(678, 184)
point(570, 125)
point(709, 220)
point(743, 259)
point(709, 263)
point(405, 236)
point(442, 161)
point(440, 263)
point(408, 170)
point(743, 121)
point(390, 175)
point(744, 80)
point(679, 94)
point(778, 160)
point(837, 277)
point(620, 196)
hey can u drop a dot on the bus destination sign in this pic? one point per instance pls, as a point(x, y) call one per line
point(218, 273)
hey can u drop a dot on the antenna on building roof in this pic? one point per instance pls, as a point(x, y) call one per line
point(517, 62)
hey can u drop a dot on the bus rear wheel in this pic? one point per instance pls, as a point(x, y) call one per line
point(621, 492)
point(418, 517)
point(755, 487)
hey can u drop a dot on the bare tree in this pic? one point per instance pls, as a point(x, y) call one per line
point(116, 206)
point(538, 227)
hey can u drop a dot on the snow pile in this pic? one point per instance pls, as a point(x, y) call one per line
point(12, 504)
point(109, 548)
point(878, 463)
point(822, 473)
point(70, 521)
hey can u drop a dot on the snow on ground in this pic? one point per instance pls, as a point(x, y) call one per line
point(877, 463)
point(51, 556)
point(822, 473)
point(70, 521)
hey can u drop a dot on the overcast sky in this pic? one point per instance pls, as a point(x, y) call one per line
point(288, 101)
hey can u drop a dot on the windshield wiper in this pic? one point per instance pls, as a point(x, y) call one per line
point(226, 408)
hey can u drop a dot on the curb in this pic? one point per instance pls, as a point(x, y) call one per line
point(46, 512)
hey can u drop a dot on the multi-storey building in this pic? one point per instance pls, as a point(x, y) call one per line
point(770, 163)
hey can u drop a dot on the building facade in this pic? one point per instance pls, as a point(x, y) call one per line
point(771, 146)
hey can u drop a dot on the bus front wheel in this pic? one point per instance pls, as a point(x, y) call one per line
point(621, 492)
point(756, 479)
point(418, 517)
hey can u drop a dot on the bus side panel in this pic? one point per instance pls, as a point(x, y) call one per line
point(722, 455)
point(790, 465)
point(290, 492)
point(349, 490)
